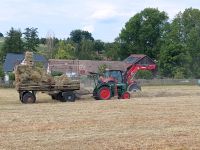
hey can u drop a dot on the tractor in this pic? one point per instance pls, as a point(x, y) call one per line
point(118, 83)
point(109, 84)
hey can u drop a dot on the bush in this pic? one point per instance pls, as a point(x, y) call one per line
point(102, 68)
point(11, 76)
point(1, 72)
point(56, 73)
point(144, 74)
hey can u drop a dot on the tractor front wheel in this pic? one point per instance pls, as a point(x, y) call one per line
point(134, 87)
point(104, 93)
point(126, 95)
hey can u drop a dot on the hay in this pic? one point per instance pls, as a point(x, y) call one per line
point(28, 74)
point(28, 58)
point(61, 80)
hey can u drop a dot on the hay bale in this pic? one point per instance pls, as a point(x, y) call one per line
point(29, 58)
point(61, 80)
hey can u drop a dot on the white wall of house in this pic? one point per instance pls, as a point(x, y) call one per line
point(6, 78)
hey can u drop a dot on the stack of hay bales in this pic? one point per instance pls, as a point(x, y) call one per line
point(29, 58)
point(28, 74)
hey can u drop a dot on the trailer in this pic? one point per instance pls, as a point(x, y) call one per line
point(31, 79)
point(64, 93)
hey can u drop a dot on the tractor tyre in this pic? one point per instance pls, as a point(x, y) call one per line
point(28, 97)
point(134, 88)
point(104, 93)
point(126, 95)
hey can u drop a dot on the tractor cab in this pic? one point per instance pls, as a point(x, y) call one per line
point(115, 75)
point(110, 84)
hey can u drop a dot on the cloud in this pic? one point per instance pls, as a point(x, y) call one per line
point(89, 28)
point(103, 18)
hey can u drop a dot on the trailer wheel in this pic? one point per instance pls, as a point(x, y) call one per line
point(28, 97)
point(59, 97)
point(68, 96)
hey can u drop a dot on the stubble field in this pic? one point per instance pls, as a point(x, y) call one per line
point(159, 117)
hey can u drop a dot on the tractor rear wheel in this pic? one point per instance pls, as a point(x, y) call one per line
point(104, 93)
point(28, 97)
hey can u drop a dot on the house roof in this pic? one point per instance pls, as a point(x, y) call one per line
point(83, 66)
point(12, 59)
point(134, 58)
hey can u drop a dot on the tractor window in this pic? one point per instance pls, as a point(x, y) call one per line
point(115, 74)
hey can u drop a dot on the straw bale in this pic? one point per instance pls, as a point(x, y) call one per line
point(61, 80)
point(29, 58)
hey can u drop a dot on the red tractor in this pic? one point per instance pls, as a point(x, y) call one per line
point(116, 83)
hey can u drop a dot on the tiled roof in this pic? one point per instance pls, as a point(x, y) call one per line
point(83, 66)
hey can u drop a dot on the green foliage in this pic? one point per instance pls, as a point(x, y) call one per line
point(112, 51)
point(1, 72)
point(78, 35)
point(98, 46)
point(56, 73)
point(144, 74)
point(102, 68)
point(179, 73)
point(11, 76)
point(86, 50)
point(13, 42)
point(32, 40)
point(65, 51)
point(43, 41)
point(1, 34)
point(180, 57)
point(142, 33)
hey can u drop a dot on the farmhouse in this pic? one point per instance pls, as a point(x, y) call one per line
point(83, 67)
point(141, 59)
point(13, 59)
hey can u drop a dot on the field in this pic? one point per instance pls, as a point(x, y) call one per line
point(159, 117)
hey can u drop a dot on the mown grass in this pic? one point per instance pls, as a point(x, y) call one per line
point(156, 118)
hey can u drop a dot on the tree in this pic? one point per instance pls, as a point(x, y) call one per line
point(65, 51)
point(78, 35)
point(1, 34)
point(86, 50)
point(174, 61)
point(32, 40)
point(142, 33)
point(191, 29)
point(13, 42)
point(43, 41)
point(112, 51)
point(1, 72)
point(180, 55)
point(98, 46)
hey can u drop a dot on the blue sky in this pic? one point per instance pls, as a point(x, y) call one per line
point(103, 18)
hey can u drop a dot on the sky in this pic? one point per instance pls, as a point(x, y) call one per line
point(103, 18)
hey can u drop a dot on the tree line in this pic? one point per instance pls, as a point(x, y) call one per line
point(173, 44)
